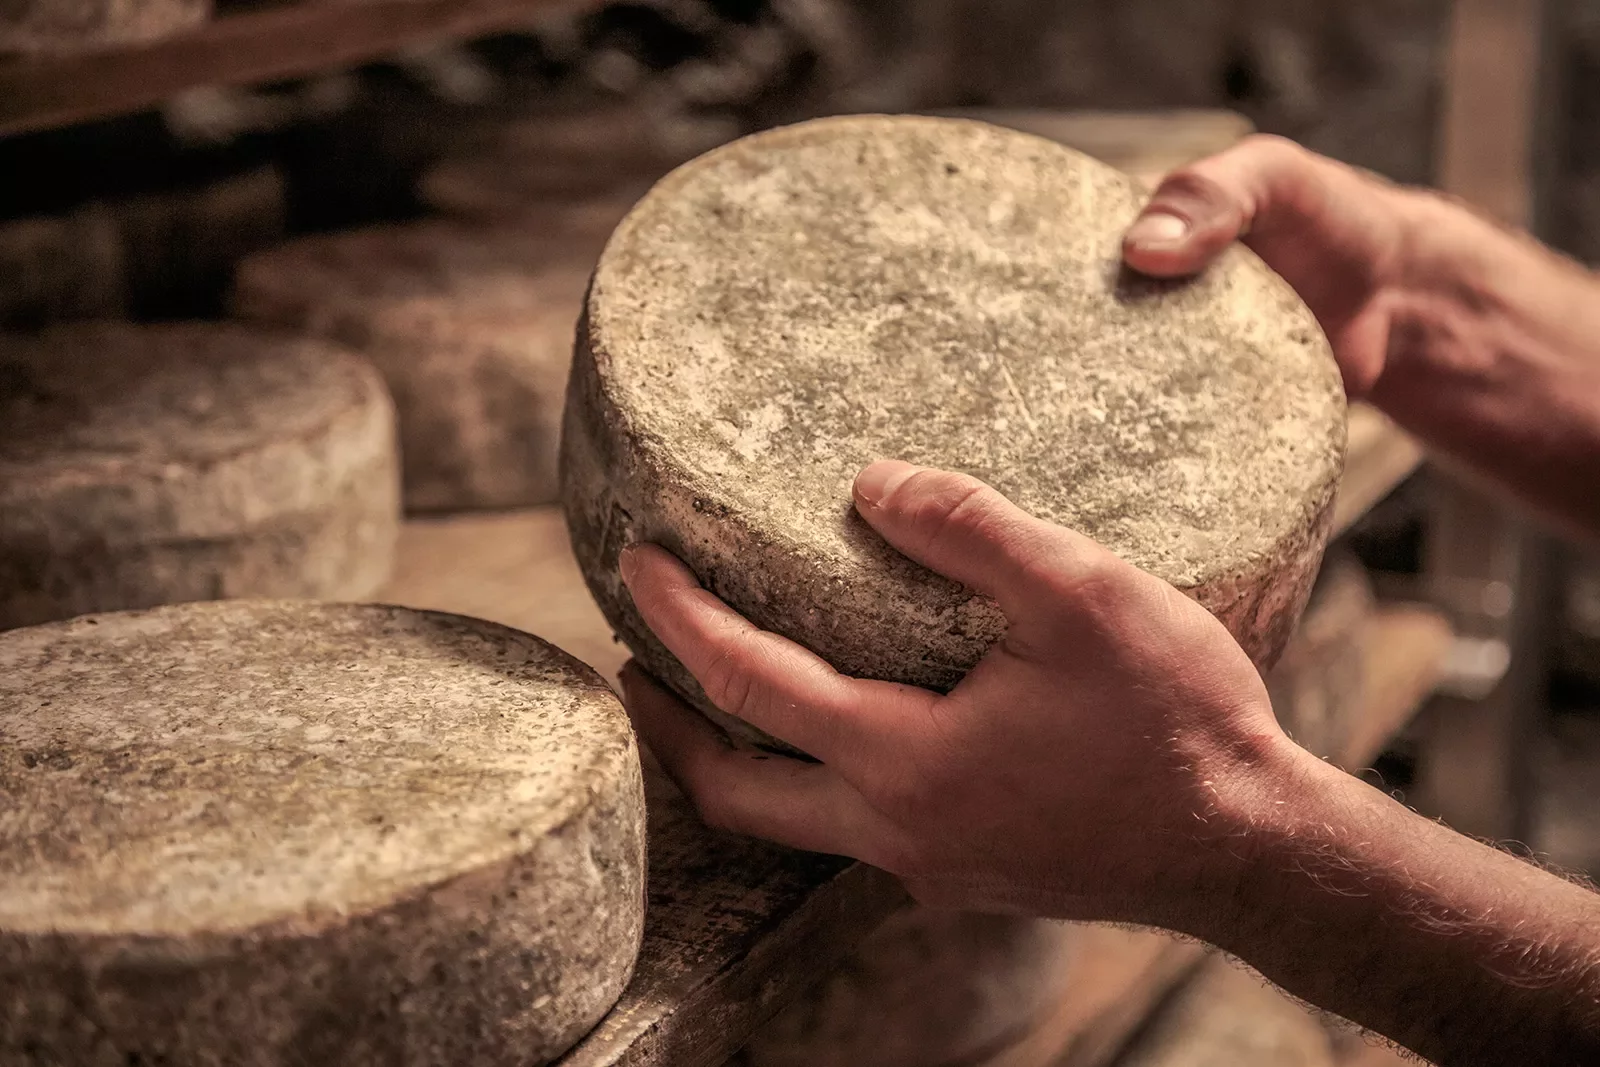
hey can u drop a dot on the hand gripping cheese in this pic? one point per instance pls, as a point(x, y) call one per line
point(276, 832)
point(784, 310)
point(150, 464)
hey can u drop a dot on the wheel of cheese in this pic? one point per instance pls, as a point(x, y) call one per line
point(64, 27)
point(279, 832)
point(55, 268)
point(184, 243)
point(585, 163)
point(472, 329)
point(782, 311)
point(928, 988)
point(145, 465)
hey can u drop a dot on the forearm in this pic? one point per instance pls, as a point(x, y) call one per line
point(1494, 359)
point(1453, 949)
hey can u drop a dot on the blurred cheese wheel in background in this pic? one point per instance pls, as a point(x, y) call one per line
point(472, 329)
point(150, 464)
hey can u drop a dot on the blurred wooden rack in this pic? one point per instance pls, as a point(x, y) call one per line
point(260, 44)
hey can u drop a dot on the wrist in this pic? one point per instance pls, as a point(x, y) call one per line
point(1268, 808)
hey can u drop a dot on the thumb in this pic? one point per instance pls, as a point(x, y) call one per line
point(961, 528)
point(1310, 218)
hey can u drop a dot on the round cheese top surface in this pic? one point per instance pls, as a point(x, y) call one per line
point(102, 400)
point(211, 768)
point(786, 309)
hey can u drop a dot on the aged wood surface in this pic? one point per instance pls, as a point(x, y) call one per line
point(1119, 978)
point(1378, 458)
point(1227, 1015)
point(1486, 563)
point(279, 41)
point(1406, 648)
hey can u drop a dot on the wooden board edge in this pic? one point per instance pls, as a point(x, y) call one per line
point(239, 49)
point(712, 1016)
point(1378, 458)
point(1406, 648)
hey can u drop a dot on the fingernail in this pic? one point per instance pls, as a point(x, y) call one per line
point(882, 478)
point(626, 564)
point(1157, 230)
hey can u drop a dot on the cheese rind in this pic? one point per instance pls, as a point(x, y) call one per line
point(784, 310)
point(149, 464)
point(274, 832)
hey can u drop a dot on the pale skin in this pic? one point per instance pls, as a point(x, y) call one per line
point(1115, 757)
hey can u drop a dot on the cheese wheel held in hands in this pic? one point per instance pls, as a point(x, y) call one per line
point(781, 312)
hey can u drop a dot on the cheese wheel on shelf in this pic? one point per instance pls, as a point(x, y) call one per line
point(55, 268)
point(279, 832)
point(472, 329)
point(784, 310)
point(548, 169)
point(150, 464)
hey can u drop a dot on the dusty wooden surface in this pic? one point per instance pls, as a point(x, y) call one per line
point(276, 41)
point(1226, 1016)
point(1378, 457)
point(1406, 648)
point(1118, 978)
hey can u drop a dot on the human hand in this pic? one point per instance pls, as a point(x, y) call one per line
point(1338, 236)
point(1100, 763)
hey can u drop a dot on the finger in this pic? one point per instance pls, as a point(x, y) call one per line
point(765, 679)
point(802, 805)
point(1312, 219)
point(961, 528)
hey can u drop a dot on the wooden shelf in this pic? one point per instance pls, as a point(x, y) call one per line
point(1406, 649)
point(1378, 458)
point(283, 40)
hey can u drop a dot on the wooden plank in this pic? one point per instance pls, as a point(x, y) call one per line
point(1484, 562)
point(275, 42)
point(1406, 649)
point(1226, 1014)
point(1378, 458)
point(1489, 130)
point(734, 927)
point(1118, 978)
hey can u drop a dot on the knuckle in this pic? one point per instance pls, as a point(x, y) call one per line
point(959, 507)
point(1068, 572)
point(727, 680)
point(1270, 144)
